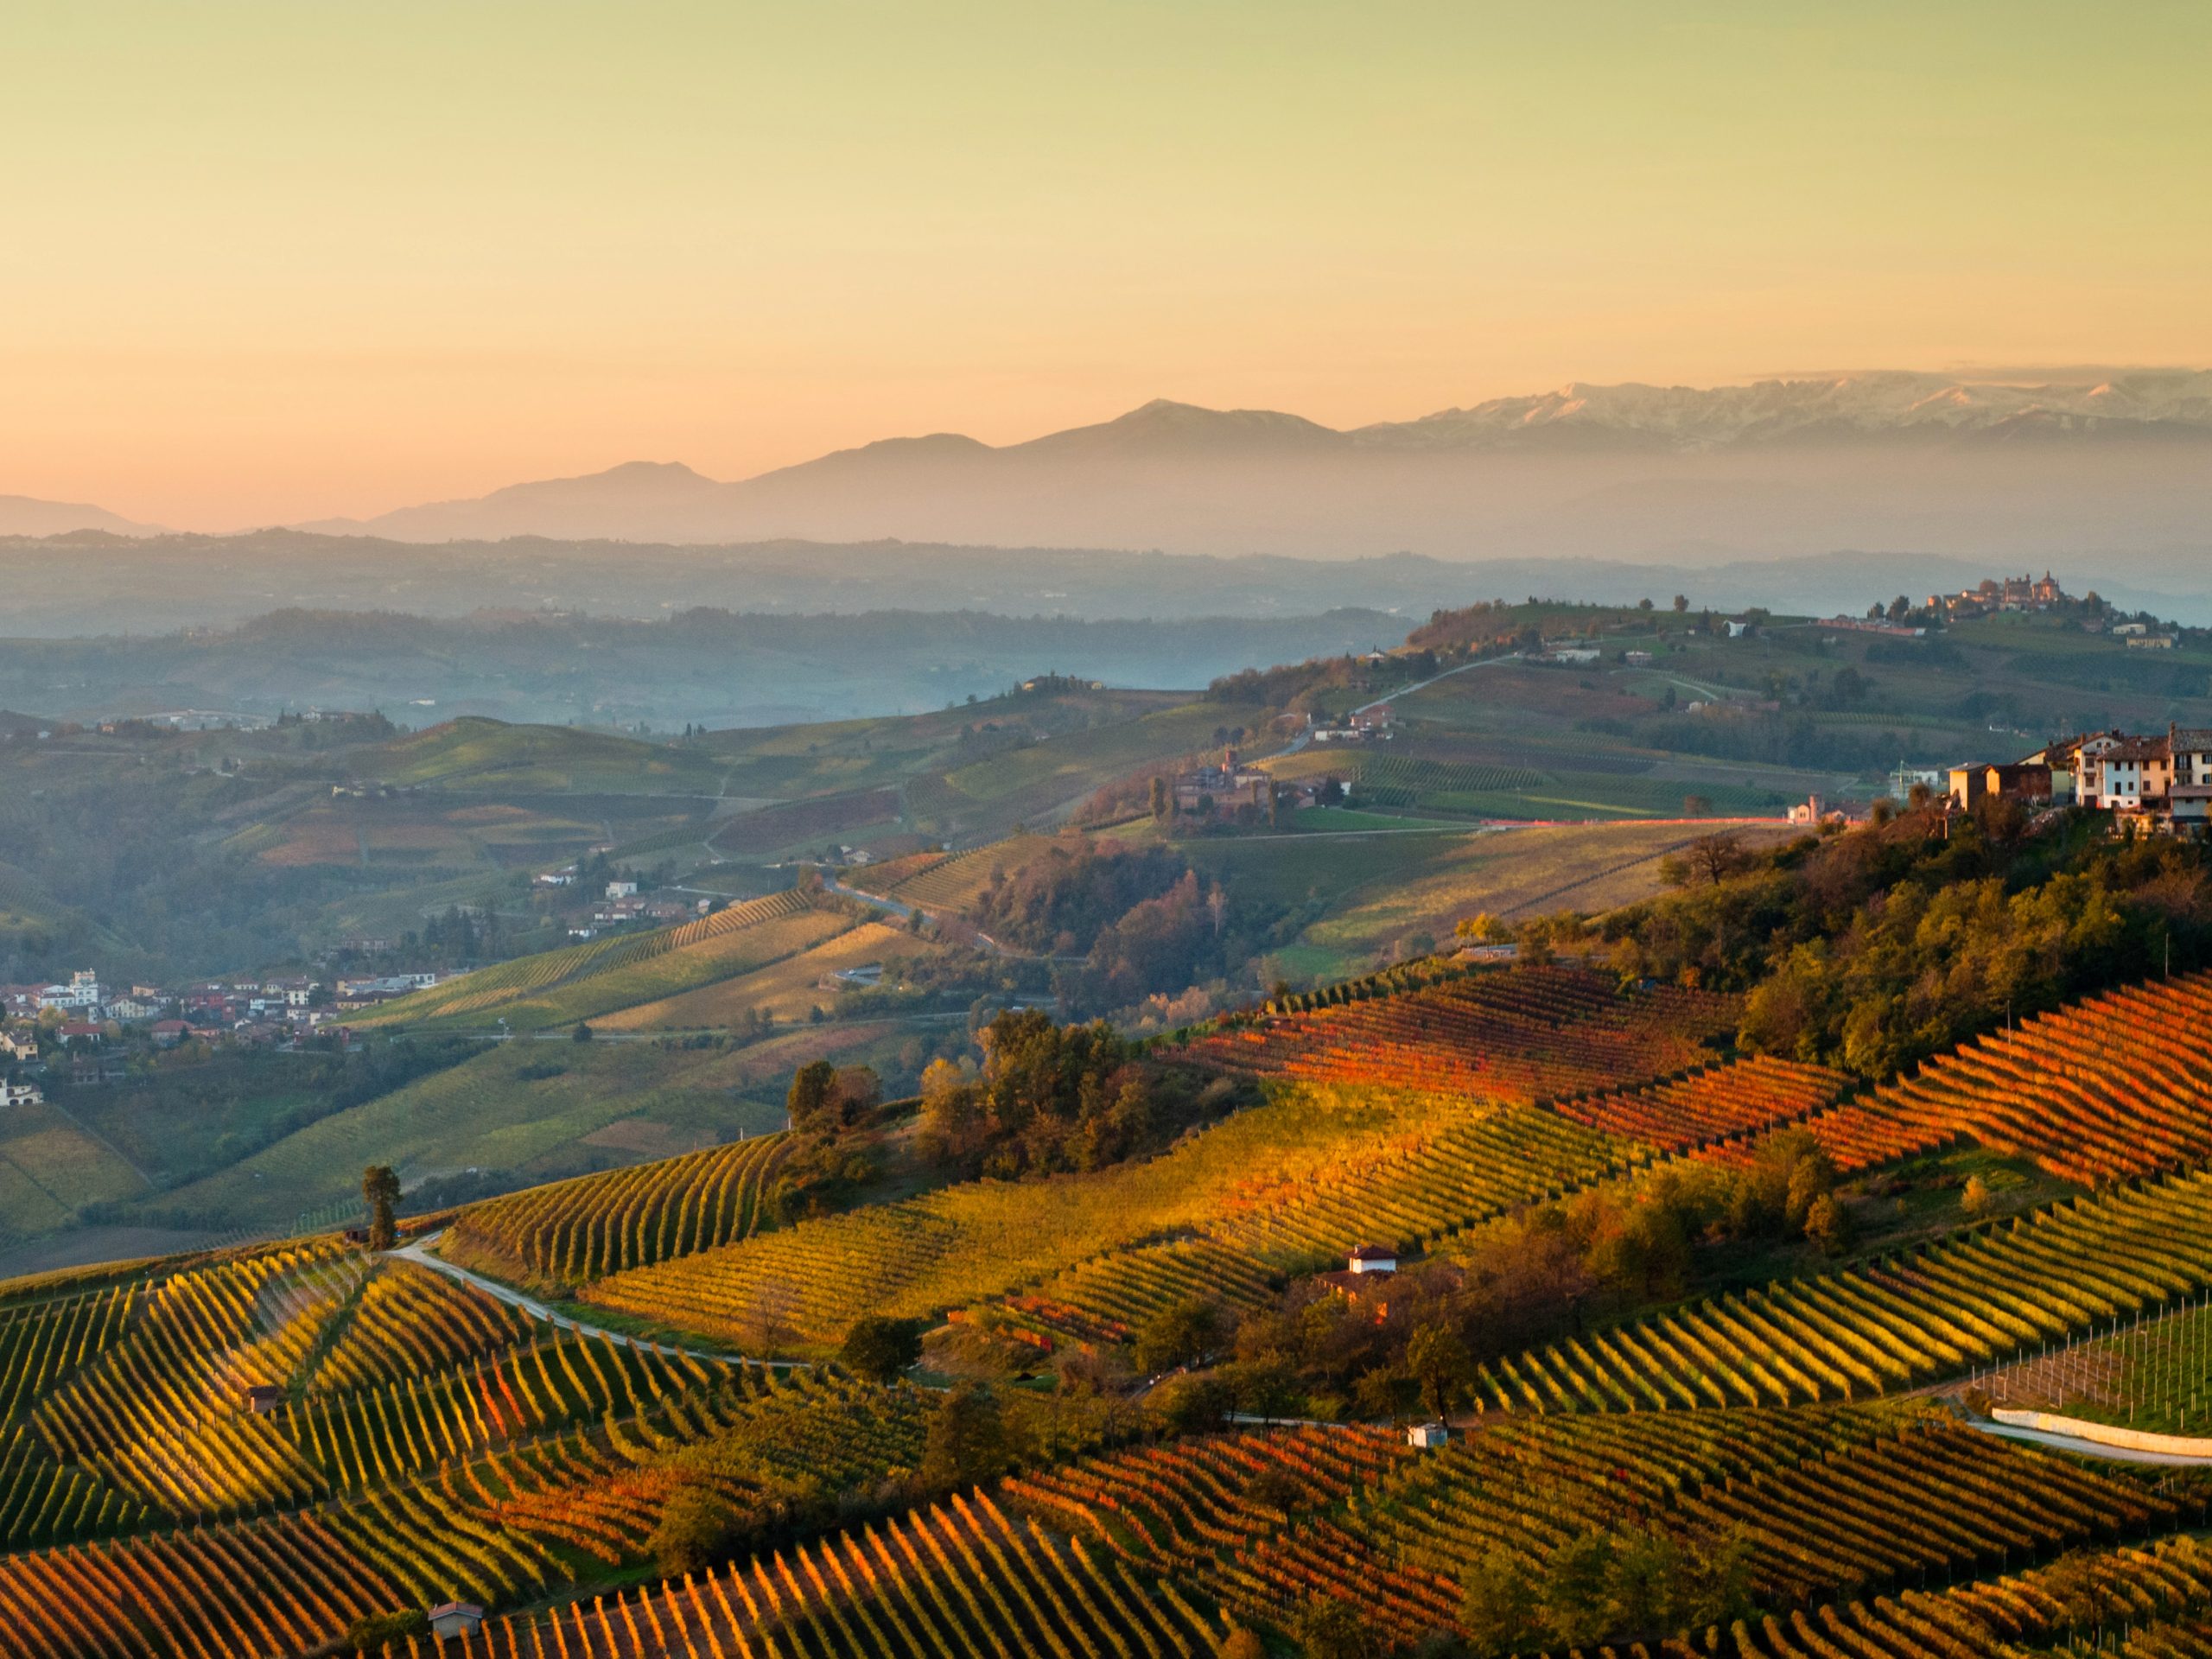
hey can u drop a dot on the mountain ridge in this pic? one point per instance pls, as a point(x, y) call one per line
point(2053, 464)
point(1189, 478)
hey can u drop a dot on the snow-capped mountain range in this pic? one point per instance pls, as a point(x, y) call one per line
point(1766, 410)
point(2030, 464)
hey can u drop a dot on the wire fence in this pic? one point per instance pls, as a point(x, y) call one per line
point(2149, 1371)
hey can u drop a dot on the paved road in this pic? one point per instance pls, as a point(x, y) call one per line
point(1408, 690)
point(906, 911)
point(2090, 1448)
point(419, 1253)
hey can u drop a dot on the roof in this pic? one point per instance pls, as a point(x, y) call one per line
point(2138, 748)
point(1373, 1253)
point(467, 1609)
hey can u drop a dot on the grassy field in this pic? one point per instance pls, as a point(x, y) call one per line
point(805, 824)
point(837, 757)
point(790, 989)
point(734, 955)
point(51, 1167)
point(1377, 890)
point(955, 883)
point(580, 981)
point(489, 754)
point(521, 1106)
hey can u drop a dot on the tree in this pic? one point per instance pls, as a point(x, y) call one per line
point(380, 1190)
point(1828, 1223)
point(582, 1033)
point(1242, 1643)
point(1265, 1386)
point(1682, 604)
point(1441, 1365)
point(952, 1121)
point(1643, 604)
point(1498, 1606)
point(694, 1531)
point(966, 1442)
point(808, 1098)
point(1579, 1603)
point(1158, 798)
point(1697, 806)
point(1179, 1333)
point(1717, 857)
point(1191, 1405)
point(1973, 1198)
point(1329, 1629)
point(1533, 943)
point(880, 1348)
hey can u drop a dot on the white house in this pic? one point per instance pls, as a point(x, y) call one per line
point(1371, 1258)
point(452, 1619)
point(1430, 1437)
point(621, 889)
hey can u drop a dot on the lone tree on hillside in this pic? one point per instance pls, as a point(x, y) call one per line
point(1440, 1364)
point(380, 1188)
point(880, 1348)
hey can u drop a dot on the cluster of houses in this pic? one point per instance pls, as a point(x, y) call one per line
point(80, 1027)
point(2151, 782)
point(2158, 783)
point(2021, 593)
point(623, 904)
point(1361, 725)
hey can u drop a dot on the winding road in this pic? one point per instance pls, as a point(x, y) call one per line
point(419, 1253)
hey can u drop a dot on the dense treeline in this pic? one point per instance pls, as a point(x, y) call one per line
point(1050, 1097)
point(1876, 947)
point(1059, 902)
point(1299, 686)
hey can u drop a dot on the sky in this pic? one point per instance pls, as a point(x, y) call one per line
point(267, 261)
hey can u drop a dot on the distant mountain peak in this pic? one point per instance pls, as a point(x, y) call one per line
point(25, 515)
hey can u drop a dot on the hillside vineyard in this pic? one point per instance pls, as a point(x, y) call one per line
point(287, 1448)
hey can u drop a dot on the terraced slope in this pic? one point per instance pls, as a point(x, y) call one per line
point(1987, 1295)
point(586, 1228)
point(1519, 1034)
point(2116, 1086)
point(1285, 1187)
point(580, 980)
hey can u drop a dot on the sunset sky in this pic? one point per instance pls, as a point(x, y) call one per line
point(288, 259)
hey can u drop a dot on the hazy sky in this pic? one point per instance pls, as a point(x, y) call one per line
point(262, 261)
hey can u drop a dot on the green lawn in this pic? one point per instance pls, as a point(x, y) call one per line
point(520, 1106)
